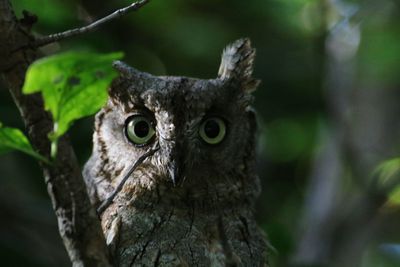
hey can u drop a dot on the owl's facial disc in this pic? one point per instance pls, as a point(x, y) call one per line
point(140, 130)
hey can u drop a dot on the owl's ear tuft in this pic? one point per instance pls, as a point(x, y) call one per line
point(125, 70)
point(237, 64)
point(122, 68)
point(131, 79)
point(126, 82)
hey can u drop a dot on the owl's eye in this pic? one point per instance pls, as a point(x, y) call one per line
point(139, 130)
point(212, 130)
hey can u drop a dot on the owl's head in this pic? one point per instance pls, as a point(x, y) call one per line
point(203, 130)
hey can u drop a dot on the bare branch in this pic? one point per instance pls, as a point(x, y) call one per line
point(79, 226)
point(89, 28)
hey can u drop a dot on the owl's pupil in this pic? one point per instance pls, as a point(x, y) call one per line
point(142, 129)
point(211, 129)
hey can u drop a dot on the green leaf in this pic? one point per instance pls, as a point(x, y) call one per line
point(388, 175)
point(388, 172)
point(73, 85)
point(12, 138)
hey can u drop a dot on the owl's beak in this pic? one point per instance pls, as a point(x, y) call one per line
point(175, 171)
point(175, 158)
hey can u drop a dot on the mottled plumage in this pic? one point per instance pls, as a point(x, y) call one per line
point(191, 202)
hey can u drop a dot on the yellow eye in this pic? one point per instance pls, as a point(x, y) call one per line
point(212, 130)
point(139, 130)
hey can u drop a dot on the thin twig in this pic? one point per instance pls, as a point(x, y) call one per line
point(111, 197)
point(89, 28)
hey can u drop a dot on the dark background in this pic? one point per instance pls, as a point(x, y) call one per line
point(328, 111)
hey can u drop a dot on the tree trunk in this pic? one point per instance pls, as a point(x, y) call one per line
point(78, 224)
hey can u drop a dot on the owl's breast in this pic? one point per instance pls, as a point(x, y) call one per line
point(178, 237)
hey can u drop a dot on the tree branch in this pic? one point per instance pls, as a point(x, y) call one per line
point(78, 223)
point(89, 28)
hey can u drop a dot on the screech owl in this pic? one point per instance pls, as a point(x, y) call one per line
point(190, 200)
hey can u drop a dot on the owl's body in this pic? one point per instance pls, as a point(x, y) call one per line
point(190, 202)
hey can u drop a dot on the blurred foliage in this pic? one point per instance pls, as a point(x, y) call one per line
point(386, 255)
point(388, 178)
point(186, 38)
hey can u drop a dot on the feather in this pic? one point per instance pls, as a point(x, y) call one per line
point(237, 63)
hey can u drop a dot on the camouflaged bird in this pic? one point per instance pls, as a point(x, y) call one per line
point(174, 158)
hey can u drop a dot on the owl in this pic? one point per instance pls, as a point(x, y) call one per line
point(174, 159)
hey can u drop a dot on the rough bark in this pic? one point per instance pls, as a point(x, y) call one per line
point(78, 223)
